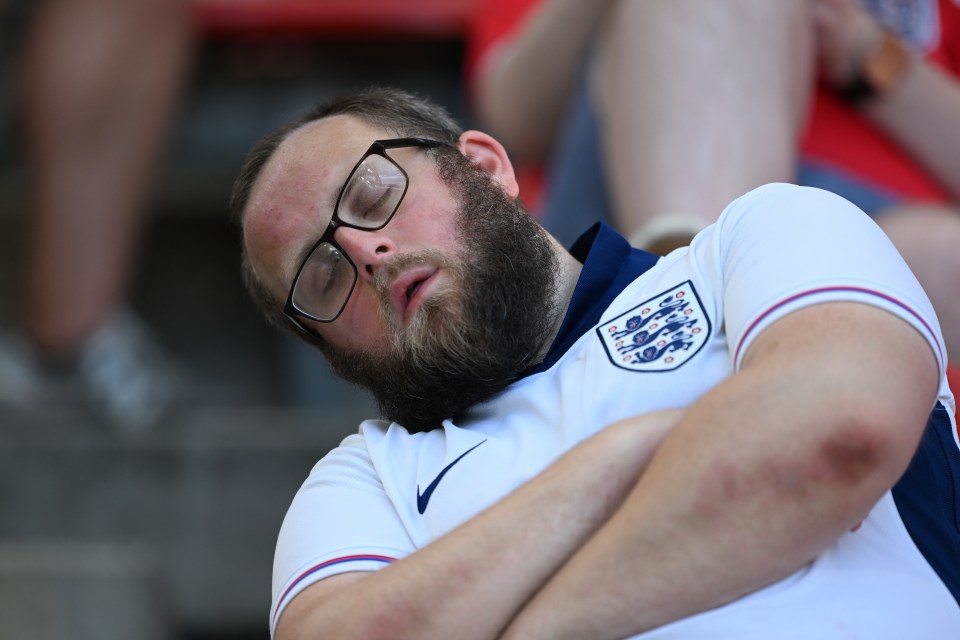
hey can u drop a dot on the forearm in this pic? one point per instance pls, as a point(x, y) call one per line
point(923, 115)
point(471, 582)
point(918, 104)
point(761, 475)
point(524, 87)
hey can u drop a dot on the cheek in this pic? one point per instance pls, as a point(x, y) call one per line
point(438, 229)
point(361, 326)
point(430, 216)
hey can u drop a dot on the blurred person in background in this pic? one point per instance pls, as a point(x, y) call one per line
point(102, 82)
point(665, 111)
point(669, 90)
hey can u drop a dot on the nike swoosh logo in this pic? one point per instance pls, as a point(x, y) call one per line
point(423, 500)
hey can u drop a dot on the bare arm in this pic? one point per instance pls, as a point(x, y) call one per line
point(922, 113)
point(471, 582)
point(724, 507)
point(699, 102)
point(524, 88)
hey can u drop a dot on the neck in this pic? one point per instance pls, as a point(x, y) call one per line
point(568, 273)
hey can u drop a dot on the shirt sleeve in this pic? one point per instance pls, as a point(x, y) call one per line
point(339, 521)
point(783, 247)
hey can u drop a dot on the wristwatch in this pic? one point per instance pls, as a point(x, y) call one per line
point(879, 71)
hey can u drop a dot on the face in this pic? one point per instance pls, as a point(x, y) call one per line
point(292, 203)
point(454, 296)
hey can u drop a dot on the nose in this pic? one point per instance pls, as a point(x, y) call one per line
point(369, 250)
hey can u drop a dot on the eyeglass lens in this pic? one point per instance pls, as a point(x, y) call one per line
point(325, 282)
point(370, 197)
point(372, 193)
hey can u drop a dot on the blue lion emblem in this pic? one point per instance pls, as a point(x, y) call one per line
point(660, 334)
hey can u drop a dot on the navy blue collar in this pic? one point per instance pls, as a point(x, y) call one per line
point(609, 265)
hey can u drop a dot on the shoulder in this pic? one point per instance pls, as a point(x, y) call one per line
point(782, 200)
point(782, 247)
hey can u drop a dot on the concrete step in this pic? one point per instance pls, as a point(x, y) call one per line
point(205, 494)
point(107, 590)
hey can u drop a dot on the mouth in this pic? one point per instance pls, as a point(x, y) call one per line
point(410, 289)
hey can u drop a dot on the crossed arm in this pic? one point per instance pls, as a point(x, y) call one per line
point(709, 502)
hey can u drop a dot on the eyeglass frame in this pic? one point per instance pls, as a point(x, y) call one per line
point(378, 147)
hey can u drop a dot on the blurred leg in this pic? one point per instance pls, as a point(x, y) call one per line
point(928, 237)
point(700, 102)
point(103, 78)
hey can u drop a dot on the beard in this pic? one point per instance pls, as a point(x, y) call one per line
point(471, 339)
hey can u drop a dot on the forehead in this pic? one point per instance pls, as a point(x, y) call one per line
point(291, 201)
point(302, 164)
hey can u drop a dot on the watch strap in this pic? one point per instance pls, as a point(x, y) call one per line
point(879, 70)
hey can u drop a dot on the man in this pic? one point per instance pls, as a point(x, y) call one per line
point(719, 443)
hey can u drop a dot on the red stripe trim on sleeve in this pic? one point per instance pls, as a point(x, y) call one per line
point(324, 565)
point(811, 292)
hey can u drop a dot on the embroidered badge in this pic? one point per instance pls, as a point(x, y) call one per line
point(660, 334)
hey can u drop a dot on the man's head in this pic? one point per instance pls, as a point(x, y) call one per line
point(454, 295)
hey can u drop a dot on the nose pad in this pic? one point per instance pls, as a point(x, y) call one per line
point(369, 250)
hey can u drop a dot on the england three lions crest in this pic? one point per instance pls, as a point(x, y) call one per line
point(660, 334)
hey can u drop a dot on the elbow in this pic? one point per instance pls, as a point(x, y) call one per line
point(837, 468)
point(853, 452)
point(867, 449)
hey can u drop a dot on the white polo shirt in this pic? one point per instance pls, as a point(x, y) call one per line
point(642, 335)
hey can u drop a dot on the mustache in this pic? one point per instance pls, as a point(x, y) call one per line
point(394, 267)
point(400, 263)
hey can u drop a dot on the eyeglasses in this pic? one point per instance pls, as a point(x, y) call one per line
point(370, 197)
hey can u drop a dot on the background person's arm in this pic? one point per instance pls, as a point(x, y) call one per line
point(922, 112)
point(471, 582)
point(523, 85)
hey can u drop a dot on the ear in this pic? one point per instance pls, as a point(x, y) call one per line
point(489, 155)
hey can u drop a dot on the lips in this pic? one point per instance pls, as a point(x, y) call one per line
point(413, 289)
point(409, 290)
